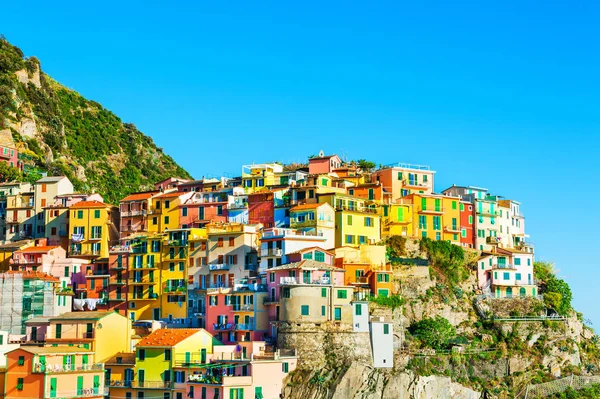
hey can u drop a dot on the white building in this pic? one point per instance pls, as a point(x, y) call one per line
point(382, 342)
point(278, 243)
point(360, 316)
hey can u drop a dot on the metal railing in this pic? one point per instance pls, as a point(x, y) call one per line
point(218, 267)
point(80, 393)
point(143, 384)
point(237, 307)
point(39, 368)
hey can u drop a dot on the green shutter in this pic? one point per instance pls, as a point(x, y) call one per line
point(423, 203)
point(79, 385)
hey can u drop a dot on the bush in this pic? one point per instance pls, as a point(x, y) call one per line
point(448, 258)
point(393, 301)
point(434, 332)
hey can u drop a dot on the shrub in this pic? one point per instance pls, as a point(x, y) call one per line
point(434, 332)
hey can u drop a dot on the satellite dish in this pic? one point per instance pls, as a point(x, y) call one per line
point(321, 154)
point(99, 326)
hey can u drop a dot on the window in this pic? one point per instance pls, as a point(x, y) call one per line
point(258, 393)
point(350, 239)
point(342, 294)
point(319, 256)
point(323, 310)
point(517, 276)
point(154, 221)
point(368, 222)
point(167, 204)
point(506, 276)
point(272, 277)
point(337, 313)
point(141, 354)
point(285, 367)
point(166, 220)
point(437, 225)
point(19, 384)
point(517, 261)
point(470, 219)
point(358, 309)
point(304, 310)
point(462, 207)
point(285, 292)
point(231, 241)
point(58, 331)
point(220, 242)
point(453, 204)
point(21, 361)
point(386, 329)
point(324, 292)
point(167, 354)
point(96, 213)
point(463, 233)
point(79, 214)
point(422, 222)
point(184, 211)
point(349, 220)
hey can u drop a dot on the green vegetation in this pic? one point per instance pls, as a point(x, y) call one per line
point(434, 332)
point(81, 135)
point(591, 392)
point(447, 258)
point(393, 302)
point(557, 293)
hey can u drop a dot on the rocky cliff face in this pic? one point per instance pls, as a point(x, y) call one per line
point(58, 131)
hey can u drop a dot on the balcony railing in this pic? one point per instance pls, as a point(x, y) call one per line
point(39, 368)
point(272, 252)
point(415, 183)
point(492, 240)
point(435, 209)
point(297, 281)
point(116, 298)
point(237, 205)
point(220, 380)
point(507, 266)
point(218, 267)
point(270, 300)
point(361, 280)
point(138, 212)
point(244, 327)
point(452, 229)
point(143, 384)
point(223, 326)
point(355, 209)
point(80, 393)
point(237, 307)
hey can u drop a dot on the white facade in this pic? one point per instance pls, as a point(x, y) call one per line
point(360, 316)
point(382, 343)
point(277, 243)
point(5, 347)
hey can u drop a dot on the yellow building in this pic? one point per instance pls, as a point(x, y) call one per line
point(156, 356)
point(104, 333)
point(257, 177)
point(93, 229)
point(397, 220)
point(436, 217)
point(164, 213)
point(356, 222)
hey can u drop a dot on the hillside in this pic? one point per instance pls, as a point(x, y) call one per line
point(449, 341)
point(61, 132)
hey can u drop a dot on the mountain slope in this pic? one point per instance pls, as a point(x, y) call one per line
point(61, 132)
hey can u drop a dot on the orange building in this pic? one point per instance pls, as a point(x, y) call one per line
point(366, 269)
point(371, 192)
point(53, 372)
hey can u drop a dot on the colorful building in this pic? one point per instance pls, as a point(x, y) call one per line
point(56, 216)
point(323, 163)
point(54, 372)
point(93, 229)
point(164, 214)
point(507, 273)
point(467, 224)
point(268, 207)
point(316, 219)
point(278, 243)
point(357, 221)
point(105, 333)
point(260, 176)
point(397, 220)
point(436, 217)
point(134, 212)
point(400, 179)
point(366, 269)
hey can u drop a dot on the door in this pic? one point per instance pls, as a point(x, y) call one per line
point(141, 376)
point(96, 384)
point(53, 387)
point(128, 377)
point(34, 333)
point(156, 313)
point(84, 361)
point(188, 358)
point(80, 385)
point(203, 355)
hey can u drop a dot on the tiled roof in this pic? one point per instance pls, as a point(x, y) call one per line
point(54, 350)
point(167, 337)
point(172, 195)
point(31, 275)
point(305, 206)
point(50, 179)
point(139, 196)
point(91, 315)
point(89, 204)
point(43, 248)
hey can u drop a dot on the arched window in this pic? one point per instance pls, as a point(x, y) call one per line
point(509, 292)
point(522, 292)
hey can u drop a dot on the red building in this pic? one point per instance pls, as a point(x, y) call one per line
point(203, 208)
point(323, 163)
point(8, 149)
point(467, 224)
point(261, 208)
point(134, 212)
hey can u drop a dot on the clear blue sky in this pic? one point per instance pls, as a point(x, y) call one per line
point(502, 96)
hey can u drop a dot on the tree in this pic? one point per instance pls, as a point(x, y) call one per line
point(433, 332)
point(366, 165)
point(558, 286)
point(9, 173)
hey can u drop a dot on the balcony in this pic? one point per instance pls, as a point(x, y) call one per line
point(117, 267)
point(271, 252)
point(223, 326)
point(303, 224)
point(237, 205)
point(138, 212)
point(506, 266)
point(488, 212)
point(361, 280)
point(215, 267)
point(270, 301)
point(175, 290)
point(18, 219)
point(244, 327)
point(355, 209)
point(80, 393)
point(143, 384)
point(137, 281)
point(176, 243)
point(220, 380)
point(491, 240)
point(237, 307)
point(452, 229)
point(39, 368)
point(120, 248)
point(415, 184)
point(436, 210)
point(155, 211)
point(116, 298)
point(294, 281)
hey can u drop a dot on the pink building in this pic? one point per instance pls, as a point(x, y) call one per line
point(313, 253)
point(203, 208)
point(247, 370)
point(37, 258)
point(237, 314)
point(170, 183)
point(323, 163)
point(8, 149)
point(134, 212)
